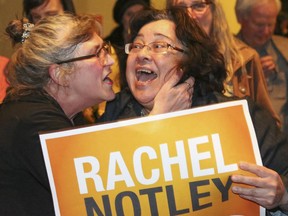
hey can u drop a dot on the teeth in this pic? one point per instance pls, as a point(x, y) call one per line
point(145, 75)
point(144, 71)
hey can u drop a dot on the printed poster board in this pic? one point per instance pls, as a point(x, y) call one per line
point(170, 164)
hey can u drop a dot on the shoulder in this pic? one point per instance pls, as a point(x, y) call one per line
point(248, 54)
point(279, 38)
point(281, 43)
point(246, 51)
point(38, 112)
point(211, 98)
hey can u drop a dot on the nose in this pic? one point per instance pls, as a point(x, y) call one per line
point(109, 60)
point(144, 53)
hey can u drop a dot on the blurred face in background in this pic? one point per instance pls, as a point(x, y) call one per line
point(258, 26)
point(134, 9)
point(199, 10)
point(48, 8)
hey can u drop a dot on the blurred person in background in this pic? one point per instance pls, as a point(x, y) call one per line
point(258, 20)
point(123, 10)
point(245, 75)
point(35, 10)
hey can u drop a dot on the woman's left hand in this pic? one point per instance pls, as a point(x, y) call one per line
point(173, 97)
point(266, 188)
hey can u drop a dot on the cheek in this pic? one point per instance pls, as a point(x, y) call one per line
point(168, 66)
point(130, 66)
point(252, 31)
point(250, 28)
point(129, 77)
point(92, 71)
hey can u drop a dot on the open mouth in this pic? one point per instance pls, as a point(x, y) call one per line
point(107, 79)
point(145, 75)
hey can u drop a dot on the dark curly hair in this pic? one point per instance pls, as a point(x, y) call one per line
point(204, 62)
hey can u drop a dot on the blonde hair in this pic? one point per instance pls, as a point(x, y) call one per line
point(53, 39)
point(220, 33)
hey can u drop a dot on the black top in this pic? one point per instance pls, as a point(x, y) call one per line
point(24, 186)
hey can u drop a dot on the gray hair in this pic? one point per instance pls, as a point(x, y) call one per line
point(243, 7)
point(53, 39)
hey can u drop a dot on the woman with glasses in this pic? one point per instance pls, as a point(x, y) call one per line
point(152, 72)
point(60, 67)
point(168, 42)
point(245, 74)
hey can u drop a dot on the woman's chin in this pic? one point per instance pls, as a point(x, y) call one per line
point(145, 100)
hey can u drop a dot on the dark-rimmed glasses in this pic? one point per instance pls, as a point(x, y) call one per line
point(154, 47)
point(101, 54)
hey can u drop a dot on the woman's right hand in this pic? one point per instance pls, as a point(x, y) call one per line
point(173, 96)
point(265, 188)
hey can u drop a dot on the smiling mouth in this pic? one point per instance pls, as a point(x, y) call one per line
point(145, 75)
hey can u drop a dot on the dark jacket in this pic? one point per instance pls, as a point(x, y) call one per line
point(24, 186)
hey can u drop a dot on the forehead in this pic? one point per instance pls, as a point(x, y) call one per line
point(268, 10)
point(186, 2)
point(93, 43)
point(160, 28)
point(263, 14)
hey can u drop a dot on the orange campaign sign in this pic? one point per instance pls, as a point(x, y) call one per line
point(177, 163)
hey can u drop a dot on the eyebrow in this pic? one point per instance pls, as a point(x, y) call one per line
point(158, 35)
point(192, 3)
point(94, 49)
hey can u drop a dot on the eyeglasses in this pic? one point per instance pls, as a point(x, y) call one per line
point(154, 47)
point(101, 54)
point(199, 7)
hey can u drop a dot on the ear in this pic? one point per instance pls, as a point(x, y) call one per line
point(56, 76)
